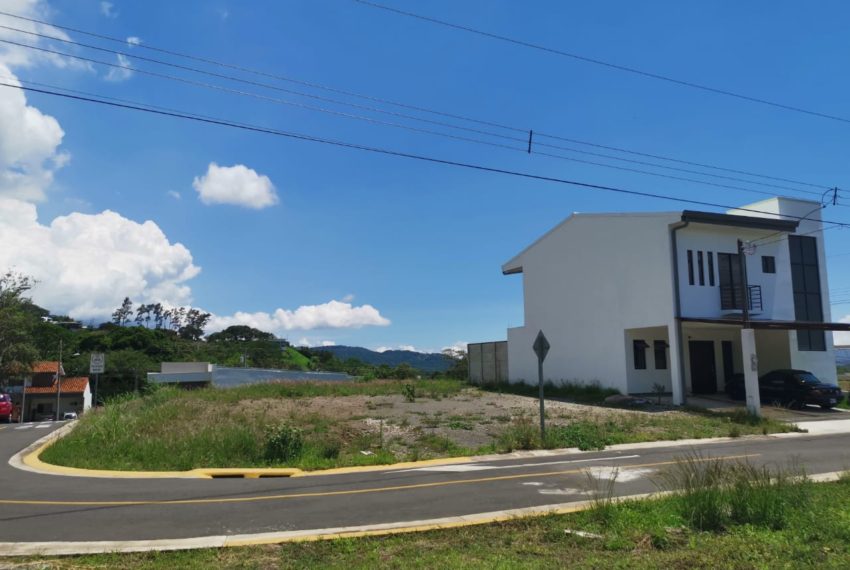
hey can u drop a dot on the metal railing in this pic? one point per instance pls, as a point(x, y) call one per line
point(732, 297)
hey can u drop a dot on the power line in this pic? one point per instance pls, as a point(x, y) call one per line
point(381, 100)
point(202, 84)
point(607, 64)
point(396, 153)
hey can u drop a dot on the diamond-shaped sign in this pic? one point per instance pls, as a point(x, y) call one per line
point(541, 346)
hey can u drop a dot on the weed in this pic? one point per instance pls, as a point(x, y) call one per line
point(283, 443)
point(408, 390)
point(521, 434)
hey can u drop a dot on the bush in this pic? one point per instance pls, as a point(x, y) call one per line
point(409, 392)
point(521, 434)
point(283, 443)
point(584, 435)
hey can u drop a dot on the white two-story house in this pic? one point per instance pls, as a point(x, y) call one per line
point(637, 300)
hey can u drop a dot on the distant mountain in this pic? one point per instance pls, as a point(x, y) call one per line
point(433, 362)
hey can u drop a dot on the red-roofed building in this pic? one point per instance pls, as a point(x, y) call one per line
point(40, 393)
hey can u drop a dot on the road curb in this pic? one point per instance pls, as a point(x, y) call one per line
point(29, 460)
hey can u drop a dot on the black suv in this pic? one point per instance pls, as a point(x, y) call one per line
point(792, 388)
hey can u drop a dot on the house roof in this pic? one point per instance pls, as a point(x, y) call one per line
point(45, 366)
point(755, 222)
point(76, 385)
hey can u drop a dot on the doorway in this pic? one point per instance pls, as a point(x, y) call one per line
point(703, 368)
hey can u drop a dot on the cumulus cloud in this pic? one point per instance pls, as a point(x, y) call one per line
point(408, 347)
point(237, 185)
point(108, 9)
point(29, 145)
point(17, 56)
point(85, 264)
point(459, 346)
point(133, 41)
point(842, 338)
point(122, 73)
point(330, 315)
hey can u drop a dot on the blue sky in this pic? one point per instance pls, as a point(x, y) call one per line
point(422, 244)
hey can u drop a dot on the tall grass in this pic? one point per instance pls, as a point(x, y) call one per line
point(588, 393)
point(713, 494)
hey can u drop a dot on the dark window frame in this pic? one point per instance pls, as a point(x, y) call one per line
point(808, 302)
point(710, 257)
point(701, 268)
point(659, 348)
point(768, 264)
point(639, 352)
point(690, 267)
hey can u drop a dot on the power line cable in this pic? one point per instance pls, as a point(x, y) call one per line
point(373, 109)
point(206, 85)
point(382, 100)
point(607, 64)
point(401, 154)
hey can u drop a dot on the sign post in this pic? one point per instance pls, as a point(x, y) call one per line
point(541, 349)
point(97, 365)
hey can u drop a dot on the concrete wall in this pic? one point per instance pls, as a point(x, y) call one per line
point(488, 362)
point(185, 367)
point(585, 282)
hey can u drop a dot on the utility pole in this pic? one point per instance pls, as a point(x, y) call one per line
point(58, 382)
point(748, 340)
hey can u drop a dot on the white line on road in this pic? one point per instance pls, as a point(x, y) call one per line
point(42, 426)
point(463, 467)
point(24, 427)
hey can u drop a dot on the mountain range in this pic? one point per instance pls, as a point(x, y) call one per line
point(426, 362)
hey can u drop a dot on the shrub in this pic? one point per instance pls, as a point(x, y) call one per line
point(408, 390)
point(283, 443)
point(522, 433)
point(582, 434)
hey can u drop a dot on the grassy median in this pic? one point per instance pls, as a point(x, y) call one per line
point(318, 425)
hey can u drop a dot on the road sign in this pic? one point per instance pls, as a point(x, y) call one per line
point(541, 346)
point(97, 363)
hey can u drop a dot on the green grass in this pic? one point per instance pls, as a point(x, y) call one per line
point(591, 393)
point(295, 359)
point(171, 429)
point(651, 534)
point(695, 423)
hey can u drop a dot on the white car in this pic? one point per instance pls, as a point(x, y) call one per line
point(69, 416)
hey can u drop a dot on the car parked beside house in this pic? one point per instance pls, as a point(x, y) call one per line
point(792, 388)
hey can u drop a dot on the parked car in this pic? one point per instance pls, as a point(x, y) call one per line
point(792, 388)
point(69, 416)
point(5, 407)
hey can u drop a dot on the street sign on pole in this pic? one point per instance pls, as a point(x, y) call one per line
point(97, 363)
point(541, 349)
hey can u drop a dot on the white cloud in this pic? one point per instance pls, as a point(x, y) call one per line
point(174, 194)
point(459, 346)
point(348, 298)
point(86, 264)
point(133, 41)
point(328, 343)
point(17, 56)
point(223, 14)
point(237, 185)
point(108, 9)
point(29, 145)
point(330, 315)
point(122, 73)
point(842, 338)
point(409, 347)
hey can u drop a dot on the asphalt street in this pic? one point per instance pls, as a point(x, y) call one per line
point(38, 508)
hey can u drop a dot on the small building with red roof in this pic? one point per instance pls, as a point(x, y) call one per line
point(39, 400)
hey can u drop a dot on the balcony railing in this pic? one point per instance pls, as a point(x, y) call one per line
point(732, 297)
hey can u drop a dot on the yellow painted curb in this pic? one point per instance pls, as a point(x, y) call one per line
point(34, 462)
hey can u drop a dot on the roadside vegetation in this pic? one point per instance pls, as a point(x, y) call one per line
point(720, 515)
point(319, 425)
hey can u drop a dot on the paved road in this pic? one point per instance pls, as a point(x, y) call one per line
point(35, 507)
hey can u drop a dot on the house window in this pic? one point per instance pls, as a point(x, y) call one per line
point(660, 349)
point(768, 264)
point(690, 267)
point(805, 279)
point(701, 269)
point(710, 268)
point(639, 348)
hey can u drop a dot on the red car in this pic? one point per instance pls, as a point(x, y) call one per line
point(5, 407)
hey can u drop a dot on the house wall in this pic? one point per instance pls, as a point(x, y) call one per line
point(488, 362)
point(643, 381)
point(704, 300)
point(584, 283)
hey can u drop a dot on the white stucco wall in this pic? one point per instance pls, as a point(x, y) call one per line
point(585, 282)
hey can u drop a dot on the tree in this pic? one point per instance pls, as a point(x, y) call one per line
point(122, 314)
point(195, 323)
point(236, 333)
point(458, 363)
point(17, 351)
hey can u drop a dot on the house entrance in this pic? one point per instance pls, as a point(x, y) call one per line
point(703, 368)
